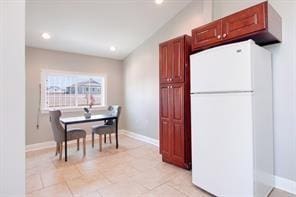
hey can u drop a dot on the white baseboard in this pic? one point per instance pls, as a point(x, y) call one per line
point(285, 184)
point(52, 144)
point(49, 144)
point(40, 146)
point(141, 137)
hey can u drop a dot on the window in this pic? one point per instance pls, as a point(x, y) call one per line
point(61, 90)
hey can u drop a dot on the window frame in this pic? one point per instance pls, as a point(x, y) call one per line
point(46, 72)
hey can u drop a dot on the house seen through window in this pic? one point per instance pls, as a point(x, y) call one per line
point(63, 90)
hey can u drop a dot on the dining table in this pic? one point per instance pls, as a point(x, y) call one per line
point(81, 119)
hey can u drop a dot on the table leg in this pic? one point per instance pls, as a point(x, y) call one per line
point(66, 159)
point(116, 133)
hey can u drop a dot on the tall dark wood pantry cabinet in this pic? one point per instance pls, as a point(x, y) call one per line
point(174, 73)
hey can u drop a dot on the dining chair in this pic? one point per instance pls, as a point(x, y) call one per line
point(109, 126)
point(59, 135)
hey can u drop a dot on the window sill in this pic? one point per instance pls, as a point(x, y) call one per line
point(78, 109)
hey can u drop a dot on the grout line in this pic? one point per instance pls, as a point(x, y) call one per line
point(44, 187)
point(69, 188)
point(178, 190)
point(41, 180)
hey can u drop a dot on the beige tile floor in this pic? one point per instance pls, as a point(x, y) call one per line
point(135, 169)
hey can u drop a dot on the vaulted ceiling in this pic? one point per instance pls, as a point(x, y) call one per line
point(91, 26)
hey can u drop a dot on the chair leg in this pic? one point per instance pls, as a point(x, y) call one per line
point(110, 138)
point(57, 149)
point(100, 142)
point(105, 138)
point(84, 147)
point(61, 150)
point(93, 139)
point(78, 144)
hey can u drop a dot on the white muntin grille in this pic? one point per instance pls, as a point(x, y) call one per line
point(63, 90)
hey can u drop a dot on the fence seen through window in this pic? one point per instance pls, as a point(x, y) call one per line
point(62, 90)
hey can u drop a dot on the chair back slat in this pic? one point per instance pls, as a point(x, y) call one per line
point(56, 126)
point(113, 110)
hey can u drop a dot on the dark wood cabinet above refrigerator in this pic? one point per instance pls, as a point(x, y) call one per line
point(260, 23)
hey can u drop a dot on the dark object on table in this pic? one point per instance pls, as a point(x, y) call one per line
point(86, 110)
point(87, 113)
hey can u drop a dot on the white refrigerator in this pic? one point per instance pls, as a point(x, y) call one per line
point(232, 121)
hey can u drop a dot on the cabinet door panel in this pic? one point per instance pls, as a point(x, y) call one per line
point(177, 138)
point(165, 67)
point(178, 153)
point(177, 102)
point(165, 105)
point(164, 101)
point(165, 136)
point(244, 22)
point(206, 35)
point(178, 60)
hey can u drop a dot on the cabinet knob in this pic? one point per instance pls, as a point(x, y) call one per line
point(171, 79)
point(219, 36)
point(224, 35)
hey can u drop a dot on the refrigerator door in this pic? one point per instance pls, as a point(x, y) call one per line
point(225, 68)
point(222, 161)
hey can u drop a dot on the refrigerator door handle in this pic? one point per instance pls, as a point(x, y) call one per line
point(224, 92)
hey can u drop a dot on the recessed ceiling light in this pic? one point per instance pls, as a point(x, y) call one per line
point(158, 2)
point(112, 48)
point(46, 36)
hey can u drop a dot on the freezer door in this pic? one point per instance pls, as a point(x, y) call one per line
point(222, 155)
point(225, 68)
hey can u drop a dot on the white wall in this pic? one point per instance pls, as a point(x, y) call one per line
point(284, 79)
point(38, 59)
point(141, 70)
point(12, 98)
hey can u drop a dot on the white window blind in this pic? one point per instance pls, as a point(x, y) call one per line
point(62, 90)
